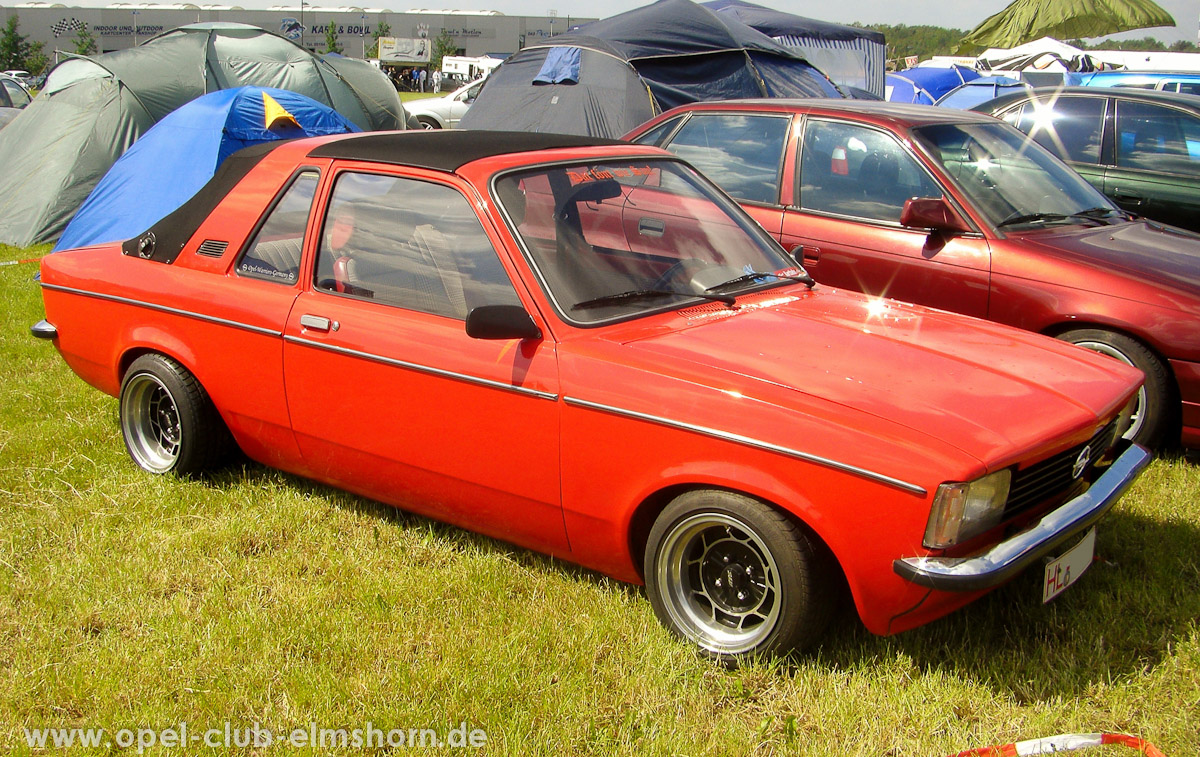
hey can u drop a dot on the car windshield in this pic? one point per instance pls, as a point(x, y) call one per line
point(1014, 181)
point(619, 239)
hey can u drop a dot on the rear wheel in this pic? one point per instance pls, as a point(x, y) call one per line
point(1151, 414)
point(736, 577)
point(167, 419)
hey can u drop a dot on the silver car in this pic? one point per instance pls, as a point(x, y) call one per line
point(444, 112)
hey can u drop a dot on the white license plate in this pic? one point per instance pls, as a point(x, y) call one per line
point(1066, 569)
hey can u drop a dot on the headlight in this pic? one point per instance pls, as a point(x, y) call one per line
point(961, 511)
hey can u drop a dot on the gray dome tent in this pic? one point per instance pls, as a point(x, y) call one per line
point(92, 109)
point(606, 77)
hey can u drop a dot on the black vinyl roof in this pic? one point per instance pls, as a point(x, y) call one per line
point(446, 150)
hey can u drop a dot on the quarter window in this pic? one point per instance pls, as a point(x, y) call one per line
point(742, 154)
point(1069, 127)
point(1154, 138)
point(855, 171)
point(274, 255)
point(408, 243)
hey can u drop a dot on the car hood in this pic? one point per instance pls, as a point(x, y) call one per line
point(1140, 249)
point(993, 392)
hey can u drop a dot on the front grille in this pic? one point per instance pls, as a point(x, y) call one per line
point(1054, 476)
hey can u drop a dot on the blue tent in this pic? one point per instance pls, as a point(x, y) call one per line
point(176, 157)
point(924, 86)
point(976, 91)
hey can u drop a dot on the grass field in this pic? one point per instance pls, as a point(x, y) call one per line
point(133, 601)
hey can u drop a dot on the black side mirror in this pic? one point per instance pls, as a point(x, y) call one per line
point(501, 322)
point(932, 213)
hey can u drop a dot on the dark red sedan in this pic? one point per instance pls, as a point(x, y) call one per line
point(959, 211)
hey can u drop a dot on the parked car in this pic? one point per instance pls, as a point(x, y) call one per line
point(959, 211)
point(13, 92)
point(1188, 84)
point(1140, 148)
point(585, 348)
point(446, 111)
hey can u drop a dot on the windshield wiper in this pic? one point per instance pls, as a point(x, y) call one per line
point(802, 278)
point(1032, 218)
point(1100, 213)
point(1091, 214)
point(646, 294)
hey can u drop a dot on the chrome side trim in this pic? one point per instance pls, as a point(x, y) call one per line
point(1013, 555)
point(756, 443)
point(422, 368)
point(165, 309)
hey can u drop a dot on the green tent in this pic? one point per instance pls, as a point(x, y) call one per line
point(92, 109)
point(1026, 20)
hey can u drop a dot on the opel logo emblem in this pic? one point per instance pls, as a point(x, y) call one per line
point(1081, 462)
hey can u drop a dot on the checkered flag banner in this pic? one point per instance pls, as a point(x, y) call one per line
point(67, 25)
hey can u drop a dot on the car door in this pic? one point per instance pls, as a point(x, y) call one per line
point(461, 103)
point(742, 153)
point(388, 395)
point(1157, 166)
point(845, 225)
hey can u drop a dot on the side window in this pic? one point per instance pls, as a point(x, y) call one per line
point(742, 154)
point(1154, 138)
point(855, 171)
point(274, 253)
point(1070, 127)
point(408, 243)
point(658, 133)
point(19, 97)
point(1187, 88)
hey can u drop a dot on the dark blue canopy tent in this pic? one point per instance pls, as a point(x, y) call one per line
point(180, 153)
point(924, 86)
point(850, 56)
point(606, 77)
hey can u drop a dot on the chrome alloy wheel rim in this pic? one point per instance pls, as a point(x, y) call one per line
point(1139, 418)
point(150, 421)
point(719, 583)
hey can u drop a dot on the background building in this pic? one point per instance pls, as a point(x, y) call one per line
point(123, 25)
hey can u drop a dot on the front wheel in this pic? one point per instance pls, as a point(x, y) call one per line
point(167, 419)
point(1151, 412)
point(427, 123)
point(735, 577)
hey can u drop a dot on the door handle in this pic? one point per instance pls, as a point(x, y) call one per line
point(651, 227)
point(1128, 198)
point(806, 254)
point(318, 323)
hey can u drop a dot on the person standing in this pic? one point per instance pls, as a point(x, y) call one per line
point(437, 81)
point(424, 74)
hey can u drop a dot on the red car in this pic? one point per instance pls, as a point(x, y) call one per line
point(585, 348)
point(959, 211)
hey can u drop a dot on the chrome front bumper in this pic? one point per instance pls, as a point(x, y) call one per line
point(43, 329)
point(1011, 556)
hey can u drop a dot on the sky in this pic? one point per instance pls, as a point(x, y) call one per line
point(955, 14)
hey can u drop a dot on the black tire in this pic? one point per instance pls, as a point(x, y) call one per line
point(736, 577)
point(427, 123)
point(168, 421)
point(1153, 414)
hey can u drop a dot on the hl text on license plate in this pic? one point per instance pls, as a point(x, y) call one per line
point(1067, 568)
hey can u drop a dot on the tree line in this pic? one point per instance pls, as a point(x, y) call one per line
point(927, 41)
